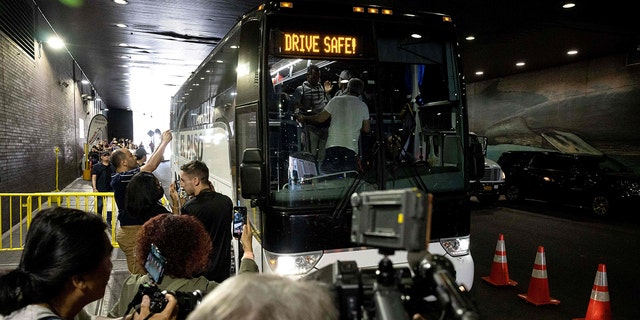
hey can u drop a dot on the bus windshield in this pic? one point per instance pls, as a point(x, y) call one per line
point(411, 93)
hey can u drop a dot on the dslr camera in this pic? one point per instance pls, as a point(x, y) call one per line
point(187, 301)
point(155, 264)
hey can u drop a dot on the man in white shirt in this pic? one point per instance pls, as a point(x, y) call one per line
point(349, 116)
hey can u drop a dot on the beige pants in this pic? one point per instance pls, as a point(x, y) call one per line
point(126, 238)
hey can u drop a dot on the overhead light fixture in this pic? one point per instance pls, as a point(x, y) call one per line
point(55, 42)
point(470, 38)
point(121, 25)
point(416, 35)
point(520, 64)
point(479, 73)
point(572, 52)
point(568, 5)
point(121, 1)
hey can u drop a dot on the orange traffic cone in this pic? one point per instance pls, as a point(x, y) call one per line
point(599, 307)
point(499, 275)
point(538, 293)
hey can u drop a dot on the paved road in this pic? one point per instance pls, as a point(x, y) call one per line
point(574, 245)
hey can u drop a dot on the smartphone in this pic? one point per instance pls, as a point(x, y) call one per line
point(239, 220)
point(177, 179)
point(155, 264)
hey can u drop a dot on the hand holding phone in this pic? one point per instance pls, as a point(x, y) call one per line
point(155, 264)
point(239, 220)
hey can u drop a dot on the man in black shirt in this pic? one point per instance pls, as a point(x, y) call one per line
point(101, 179)
point(213, 209)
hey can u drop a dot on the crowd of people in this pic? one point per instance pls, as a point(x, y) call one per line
point(66, 264)
point(102, 146)
point(66, 261)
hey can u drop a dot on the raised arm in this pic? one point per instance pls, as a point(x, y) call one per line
point(156, 157)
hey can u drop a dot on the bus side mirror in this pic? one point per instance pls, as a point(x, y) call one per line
point(252, 173)
point(477, 161)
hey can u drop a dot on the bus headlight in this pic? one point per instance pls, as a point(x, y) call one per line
point(292, 264)
point(456, 247)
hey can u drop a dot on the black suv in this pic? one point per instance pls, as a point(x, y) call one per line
point(597, 182)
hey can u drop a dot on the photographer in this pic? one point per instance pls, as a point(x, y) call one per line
point(65, 265)
point(267, 297)
point(184, 243)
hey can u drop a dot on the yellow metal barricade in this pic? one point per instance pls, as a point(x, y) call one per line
point(17, 211)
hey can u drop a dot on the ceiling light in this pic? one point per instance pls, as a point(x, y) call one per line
point(121, 1)
point(55, 42)
point(568, 5)
point(572, 52)
point(85, 81)
point(121, 25)
point(479, 73)
point(470, 37)
point(416, 36)
point(520, 64)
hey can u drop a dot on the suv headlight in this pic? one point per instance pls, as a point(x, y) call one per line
point(456, 247)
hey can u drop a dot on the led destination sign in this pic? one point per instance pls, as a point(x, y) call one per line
point(318, 44)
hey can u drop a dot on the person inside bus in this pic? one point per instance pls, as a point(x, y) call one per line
point(252, 296)
point(126, 167)
point(185, 244)
point(343, 80)
point(349, 117)
point(310, 99)
point(65, 265)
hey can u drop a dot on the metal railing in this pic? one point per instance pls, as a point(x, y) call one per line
point(18, 209)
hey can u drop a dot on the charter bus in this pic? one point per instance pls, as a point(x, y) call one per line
point(236, 114)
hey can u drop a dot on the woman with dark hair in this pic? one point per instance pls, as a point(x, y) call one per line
point(185, 244)
point(142, 197)
point(65, 265)
point(144, 193)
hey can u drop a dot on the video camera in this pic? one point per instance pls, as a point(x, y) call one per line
point(395, 220)
point(155, 264)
